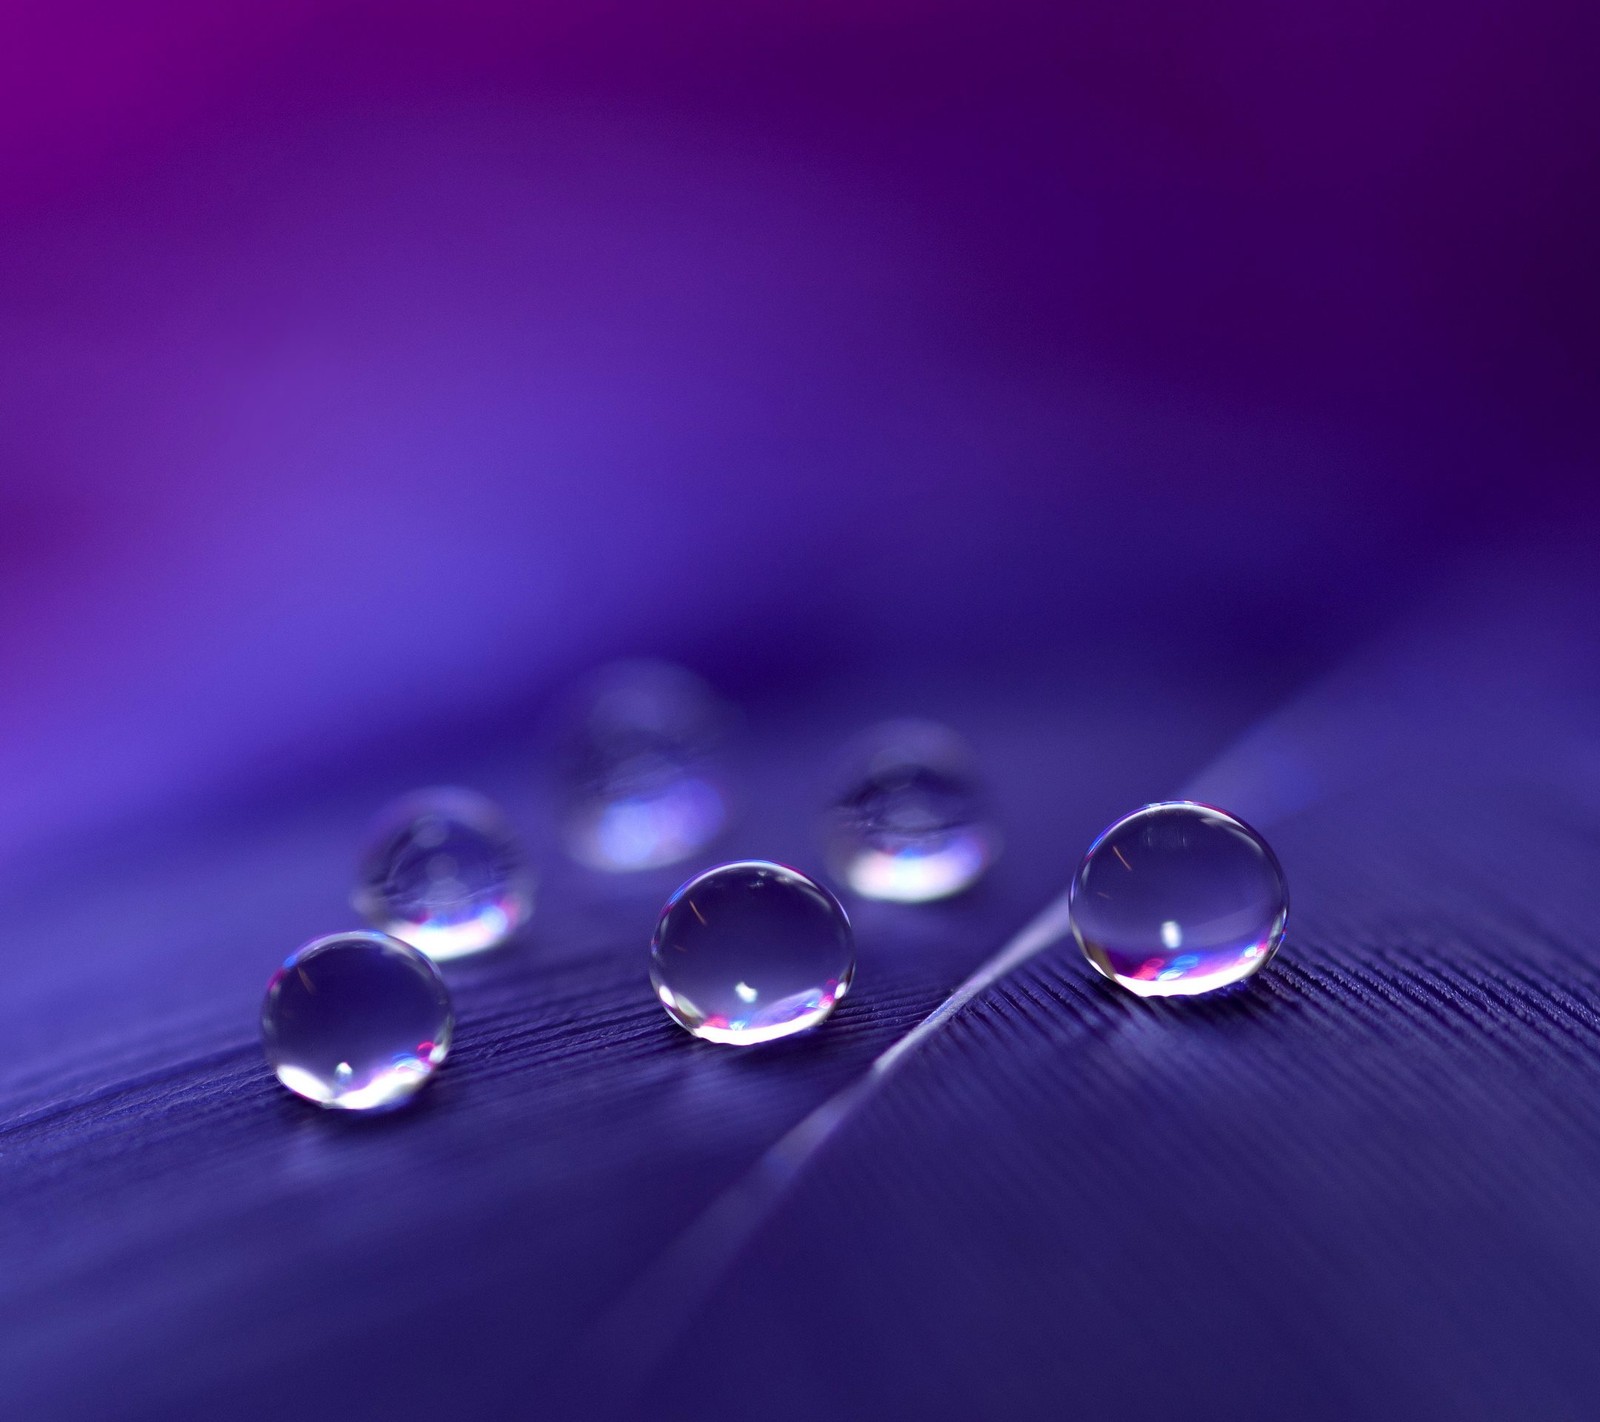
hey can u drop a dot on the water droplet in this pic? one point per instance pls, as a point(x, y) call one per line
point(1179, 898)
point(750, 952)
point(443, 871)
point(908, 826)
point(640, 786)
point(357, 1021)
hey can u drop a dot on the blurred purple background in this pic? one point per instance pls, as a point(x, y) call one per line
point(363, 366)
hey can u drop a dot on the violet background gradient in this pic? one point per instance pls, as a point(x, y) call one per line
point(1178, 399)
point(364, 367)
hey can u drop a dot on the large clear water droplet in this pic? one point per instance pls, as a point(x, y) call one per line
point(640, 784)
point(443, 871)
point(1179, 898)
point(356, 1021)
point(909, 825)
point(750, 952)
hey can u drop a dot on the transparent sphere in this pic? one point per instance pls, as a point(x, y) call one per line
point(750, 952)
point(357, 1021)
point(443, 871)
point(1179, 898)
point(908, 825)
point(640, 788)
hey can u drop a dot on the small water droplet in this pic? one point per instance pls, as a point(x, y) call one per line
point(640, 783)
point(1179, 898)
point(444, 872)
point(750, 952)
point(908, 825)
point(356, 1021)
